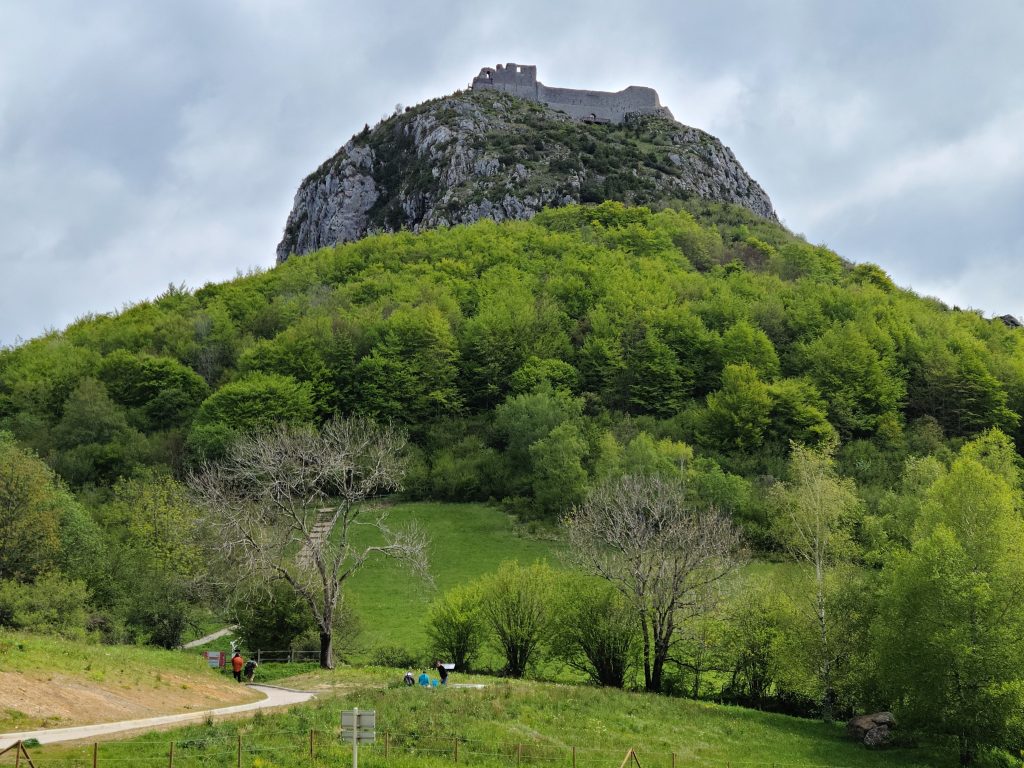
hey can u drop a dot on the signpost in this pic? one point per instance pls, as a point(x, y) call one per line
point(214, 658)
point(358, 726)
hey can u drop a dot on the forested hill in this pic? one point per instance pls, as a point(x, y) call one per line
point(529, 358)
point(475, 155)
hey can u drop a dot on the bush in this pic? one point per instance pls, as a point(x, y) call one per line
point(271, 619)
point(394, 656)
point(51, 604)
point(597, 631)
point(456, 626)
point(517, 606)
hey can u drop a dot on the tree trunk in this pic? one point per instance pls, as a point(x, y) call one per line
point(648, 683)
point(966, 753)
point(656, 673)
point(326, 651)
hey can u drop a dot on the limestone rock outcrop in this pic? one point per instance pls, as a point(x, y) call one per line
point(488, 154)
point(874, 730)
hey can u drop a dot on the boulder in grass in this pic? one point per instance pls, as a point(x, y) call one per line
point(874, 730)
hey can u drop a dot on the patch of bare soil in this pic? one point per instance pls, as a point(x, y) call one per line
point(40, 700)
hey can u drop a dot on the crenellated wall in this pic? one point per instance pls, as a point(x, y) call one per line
point(594, 106)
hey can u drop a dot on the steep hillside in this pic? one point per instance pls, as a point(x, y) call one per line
point(478, 155)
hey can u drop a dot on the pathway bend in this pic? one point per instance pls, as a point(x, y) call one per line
point(275, 697)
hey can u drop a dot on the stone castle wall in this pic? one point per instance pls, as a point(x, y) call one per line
point(596, 106)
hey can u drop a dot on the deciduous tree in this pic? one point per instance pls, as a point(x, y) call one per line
point(286, 505)
point(664, 554)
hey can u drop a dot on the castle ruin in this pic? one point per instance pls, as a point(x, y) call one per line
point(588, 106)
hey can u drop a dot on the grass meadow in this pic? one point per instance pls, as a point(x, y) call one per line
point(504, 725)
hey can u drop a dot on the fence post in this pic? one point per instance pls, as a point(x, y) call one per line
point(259, 658)
point(456, 750)
point(170, 756)
point(95, 749)
point(239, 762)
point(519, 754)
point(386, 734)
point(673, 760)
point(311, 753)
point(17, 755)
point(573, 756)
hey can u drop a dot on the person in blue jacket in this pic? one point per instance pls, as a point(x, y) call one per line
point(424, 679)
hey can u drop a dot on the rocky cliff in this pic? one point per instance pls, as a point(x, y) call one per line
point(491, 155)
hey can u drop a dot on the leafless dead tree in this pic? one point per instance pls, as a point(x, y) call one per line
point(287, 502)
point(664, 555)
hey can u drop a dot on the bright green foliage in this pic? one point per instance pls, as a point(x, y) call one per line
point(317, 350)
point(559, 479)
point(457, 627)
point(754, 642)
point(509, 327)
point(411, 372)
point(655, 385)
point(523, 420)
point(596, 630)
point(156, 568)
point(551, 371)
point(38, 377)
point(739, 413)
point(743, 343)
point(166, 391)
point(271, 618)
point(52, 604)
point(518, 610)
point(948, 637)
point(815, 514)
point(32, 504)
point(251, 404)
point(860, 386)
point(798, 413)
point(949, 379)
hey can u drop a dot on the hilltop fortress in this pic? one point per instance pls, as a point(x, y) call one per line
point(588, 106)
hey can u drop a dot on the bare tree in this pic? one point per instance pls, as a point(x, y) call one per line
point(664, 555)
point(287, 503)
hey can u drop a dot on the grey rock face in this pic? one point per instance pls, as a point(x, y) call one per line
point(492, 155)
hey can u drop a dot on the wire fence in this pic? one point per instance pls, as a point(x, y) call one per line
point(316, 748)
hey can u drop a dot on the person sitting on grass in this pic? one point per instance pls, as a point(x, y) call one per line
point(250, 669)
point(424, 679)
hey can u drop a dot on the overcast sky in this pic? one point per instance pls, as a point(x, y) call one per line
point(143, 144)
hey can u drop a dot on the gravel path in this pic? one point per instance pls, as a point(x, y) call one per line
point(276, 697)
point(210, 638)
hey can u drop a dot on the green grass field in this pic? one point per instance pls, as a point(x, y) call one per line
point(467, 541)
point(504, 725)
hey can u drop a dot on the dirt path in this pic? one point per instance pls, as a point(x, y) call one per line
point(275, 697)
point(210, 638)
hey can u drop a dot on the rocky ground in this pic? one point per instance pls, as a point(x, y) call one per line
point(488, 155)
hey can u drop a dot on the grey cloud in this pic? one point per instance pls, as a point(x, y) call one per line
point(142, 144)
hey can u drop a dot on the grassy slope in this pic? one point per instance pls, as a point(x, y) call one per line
point(548, 720)
point(35, 670)
point(467, 540)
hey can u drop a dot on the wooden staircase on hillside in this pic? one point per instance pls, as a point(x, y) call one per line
point(317, 536)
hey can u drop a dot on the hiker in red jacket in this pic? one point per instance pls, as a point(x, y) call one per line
point(237, 662)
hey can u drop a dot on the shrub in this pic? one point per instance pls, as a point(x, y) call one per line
point(394, 656)
point(51, 604)
point(456, 626)
point(517, 606)
point(597, 631)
